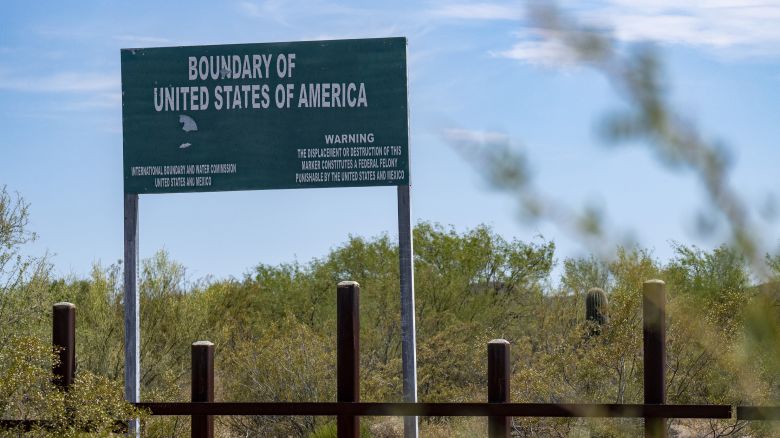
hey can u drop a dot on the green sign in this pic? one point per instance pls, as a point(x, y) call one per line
point(265, 116)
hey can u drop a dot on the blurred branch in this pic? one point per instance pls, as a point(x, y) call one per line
point(507, 168)
point(637, 74)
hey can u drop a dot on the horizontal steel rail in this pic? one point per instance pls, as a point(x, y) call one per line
point(570, 410)
point(442, 409)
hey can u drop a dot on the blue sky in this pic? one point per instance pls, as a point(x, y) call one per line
point(477, 71)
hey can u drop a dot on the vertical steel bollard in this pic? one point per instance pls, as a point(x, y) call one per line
point(64, 342)
point(654, 338)
point(498, 385)
point(202, 386)
point(348, 354)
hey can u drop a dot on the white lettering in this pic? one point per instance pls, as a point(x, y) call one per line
point(192, 62)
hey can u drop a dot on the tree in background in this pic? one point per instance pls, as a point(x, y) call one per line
point(95, 401)
point(24, 280)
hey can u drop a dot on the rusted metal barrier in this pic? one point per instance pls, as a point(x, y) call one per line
point(654, 340)
point(348, 354)
point(202, 386)
point(63, 341)
point(498, 386)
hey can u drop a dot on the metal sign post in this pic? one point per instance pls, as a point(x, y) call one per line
point(408, 330)
point(131, 301)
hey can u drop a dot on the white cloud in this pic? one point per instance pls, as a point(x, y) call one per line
point(540, 48)
point(715, 24)
point(69, 82)
point(96, 101)
point(273, 10)
point(374, 32)
point(141, 40)
point(480, 11)
point(249, 8)
point(72, 91)
point(723, 27)
point(467, 137)
point(296, 14)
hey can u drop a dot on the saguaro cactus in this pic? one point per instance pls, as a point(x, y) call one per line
point(597, 307)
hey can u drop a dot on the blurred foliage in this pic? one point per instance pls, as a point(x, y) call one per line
point(93, 404)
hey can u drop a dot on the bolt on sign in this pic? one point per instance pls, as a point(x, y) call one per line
point(265, 116)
